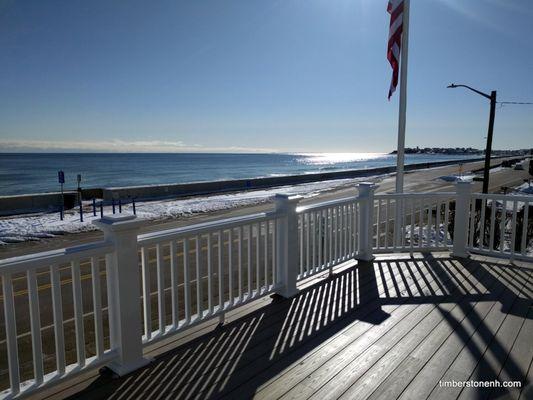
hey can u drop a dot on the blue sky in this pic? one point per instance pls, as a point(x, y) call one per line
point(257, 75)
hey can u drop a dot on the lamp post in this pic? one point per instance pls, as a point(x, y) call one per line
point(488, 149)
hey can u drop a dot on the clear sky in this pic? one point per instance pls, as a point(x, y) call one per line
point(253, 75)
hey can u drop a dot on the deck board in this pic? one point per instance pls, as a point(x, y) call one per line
point(361, 387)
point(413, 363)
point(383, 330)
point(475, 348)
point(429, 376)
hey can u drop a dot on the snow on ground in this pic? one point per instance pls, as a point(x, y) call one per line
point(467, 177)
point(414, 234)
point(456, 178)
point(525, 188)
point(23, 228)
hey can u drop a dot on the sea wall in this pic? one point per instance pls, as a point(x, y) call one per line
point(27, 203)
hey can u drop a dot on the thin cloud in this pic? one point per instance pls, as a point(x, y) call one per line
point(118, 146)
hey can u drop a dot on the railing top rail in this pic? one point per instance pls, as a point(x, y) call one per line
point(46, 258)
point(415, 195)
point(204, 227)
point(326, 204)
point(507, 197)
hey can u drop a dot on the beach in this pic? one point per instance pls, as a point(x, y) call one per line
point(426, 180)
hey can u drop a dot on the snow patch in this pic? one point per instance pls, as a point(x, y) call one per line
point(456, 178)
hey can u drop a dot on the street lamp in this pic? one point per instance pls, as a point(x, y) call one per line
point(488, 149)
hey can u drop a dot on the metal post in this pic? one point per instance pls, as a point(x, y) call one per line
point(133, 204)
point(122, 269)
point(113, 203)
point(81, 211)
point(119, 206)
point(94, 207)
point(286, 244)
point(488, 149)
point(61, 178)
point(102, 209)
point(62, 203)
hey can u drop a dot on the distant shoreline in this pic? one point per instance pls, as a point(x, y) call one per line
point(461, 151)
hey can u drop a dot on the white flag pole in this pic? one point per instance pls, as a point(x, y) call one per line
point(403, 98)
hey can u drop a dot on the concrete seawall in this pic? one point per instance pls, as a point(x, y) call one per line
point(38, 202)
point(18, 204)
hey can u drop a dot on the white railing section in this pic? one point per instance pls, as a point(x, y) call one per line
point(328, 235)
point(54, 317)
point(194, 273)
point(64, 313)
point(501, 225)
point(425, 222)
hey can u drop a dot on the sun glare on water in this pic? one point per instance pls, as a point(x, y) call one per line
point(337, 158)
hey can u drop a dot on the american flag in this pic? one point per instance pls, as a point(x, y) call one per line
point(395, 9)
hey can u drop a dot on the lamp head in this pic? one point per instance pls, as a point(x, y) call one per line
point(452, 86)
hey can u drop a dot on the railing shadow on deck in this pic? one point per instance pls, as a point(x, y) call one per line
point(514, 296)
point(245, 354)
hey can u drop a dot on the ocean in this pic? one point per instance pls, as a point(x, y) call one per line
point(37, 173)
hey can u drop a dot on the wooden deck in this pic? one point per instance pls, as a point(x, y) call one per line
point(393, 328)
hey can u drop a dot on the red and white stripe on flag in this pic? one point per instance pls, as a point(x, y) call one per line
point(395, 9)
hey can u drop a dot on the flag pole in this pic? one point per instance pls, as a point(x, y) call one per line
point(400, 154)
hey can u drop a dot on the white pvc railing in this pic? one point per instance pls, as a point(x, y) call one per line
point(425, 222)
point(202, 271)
point(53, 308)
point(64, 313)
point(501, 225)
point(328, 235)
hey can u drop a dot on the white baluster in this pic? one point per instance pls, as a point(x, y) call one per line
point(78, 312)
point(35, 324)
point(11, 333)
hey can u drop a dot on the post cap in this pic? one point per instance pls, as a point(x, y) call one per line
point(287, 197)
point(365, 188)
point(366, 184)
point(463, 186)
point(463, 183)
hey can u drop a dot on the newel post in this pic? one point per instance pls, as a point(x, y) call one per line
point(123, 291)
point(366, 219)
point(460, 227)
point(287, 244)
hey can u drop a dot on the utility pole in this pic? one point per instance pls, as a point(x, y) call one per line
point(488, 148)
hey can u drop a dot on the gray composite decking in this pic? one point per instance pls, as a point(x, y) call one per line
point(392, 328)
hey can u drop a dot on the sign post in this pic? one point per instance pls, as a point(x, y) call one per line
point(61, 179)
point(78, 179)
